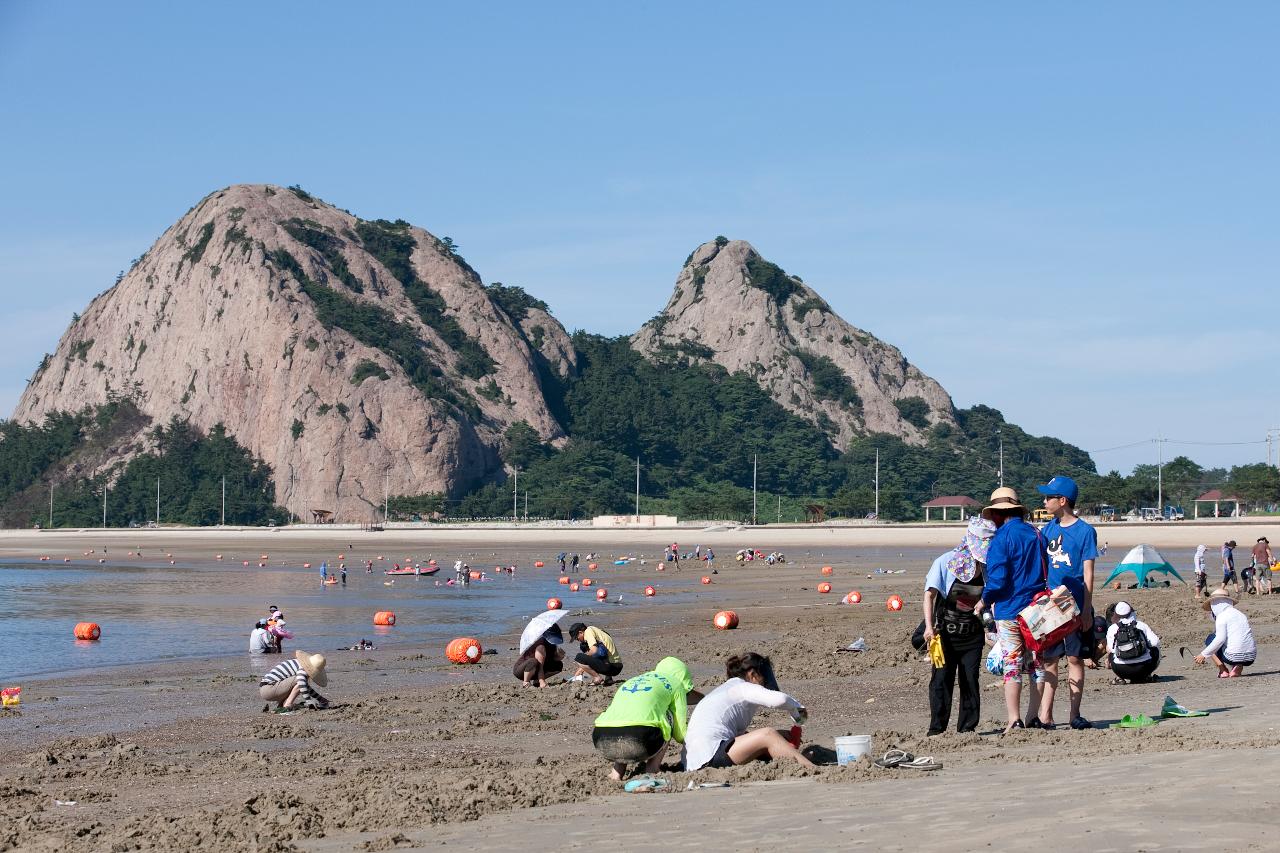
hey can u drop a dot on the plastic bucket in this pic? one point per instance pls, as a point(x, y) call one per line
point(851, 748)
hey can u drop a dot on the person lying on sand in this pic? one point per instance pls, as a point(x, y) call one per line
point(1231, 645)
point(647, 711)
point(718, 733)
point(292, 683)
point(599, 659)
point(543, 658)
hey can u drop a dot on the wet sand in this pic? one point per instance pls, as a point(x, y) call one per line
point(420, 753)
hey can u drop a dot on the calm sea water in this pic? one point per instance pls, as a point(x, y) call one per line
point(152, 613)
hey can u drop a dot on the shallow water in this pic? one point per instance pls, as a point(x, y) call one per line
point(162, 612)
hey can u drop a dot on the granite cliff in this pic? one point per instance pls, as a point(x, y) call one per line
point(736, 309)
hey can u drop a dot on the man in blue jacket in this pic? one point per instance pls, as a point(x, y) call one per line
point(1015, 573)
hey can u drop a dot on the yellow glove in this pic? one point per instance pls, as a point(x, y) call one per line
point(935, 653)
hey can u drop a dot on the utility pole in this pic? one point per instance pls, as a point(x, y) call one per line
point(224, 500)
point(637, 490)
point(877, 484)
point(51, 503)
point(1271, 435)
point(157, 501)
point(515, 498)
point(1160, 475)
point(104, 504)
point(755, 467)
point(1001, 471)
point(779, 509)
point(386, 496)
point(526, 504)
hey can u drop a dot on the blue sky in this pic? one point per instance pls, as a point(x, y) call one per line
point(1066, 213)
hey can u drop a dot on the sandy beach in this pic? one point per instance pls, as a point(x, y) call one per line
point(418, 753)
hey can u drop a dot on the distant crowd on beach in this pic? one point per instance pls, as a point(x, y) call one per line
point(1010, 598)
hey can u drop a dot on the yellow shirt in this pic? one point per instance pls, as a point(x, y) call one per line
point(595, 637)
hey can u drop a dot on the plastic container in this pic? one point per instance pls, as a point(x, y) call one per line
point(851, 748)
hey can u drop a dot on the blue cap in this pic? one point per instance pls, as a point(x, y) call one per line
point(1064, 486)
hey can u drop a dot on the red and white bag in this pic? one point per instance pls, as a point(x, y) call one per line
point(1051, 617)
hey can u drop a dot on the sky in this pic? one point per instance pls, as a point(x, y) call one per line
point(1066, 212)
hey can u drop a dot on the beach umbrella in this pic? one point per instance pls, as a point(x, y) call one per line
point(1142, 560)
point(538, 626)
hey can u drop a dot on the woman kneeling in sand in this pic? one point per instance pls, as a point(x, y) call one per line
point(718, 735)
point(646, 712)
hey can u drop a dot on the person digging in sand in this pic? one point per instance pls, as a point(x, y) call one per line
point(1133, 647)
point(599, 659)
point(718, 734)
point(647, 711)
point(293, 682)
point(543, 658)
point(1231, 645)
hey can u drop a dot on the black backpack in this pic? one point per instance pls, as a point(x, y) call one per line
point(1131, 642)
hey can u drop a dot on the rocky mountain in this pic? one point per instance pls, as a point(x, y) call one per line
point(732, 307)
point(352, 356)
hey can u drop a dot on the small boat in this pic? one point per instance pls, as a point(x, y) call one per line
point(424, 572)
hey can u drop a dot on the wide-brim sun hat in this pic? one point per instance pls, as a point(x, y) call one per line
point(1003, 499)
point(313, 666)
point(1218, 596)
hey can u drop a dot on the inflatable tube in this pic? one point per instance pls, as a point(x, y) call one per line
point(554, 604)
point(384, 617)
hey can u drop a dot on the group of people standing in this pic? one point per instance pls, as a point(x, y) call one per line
point(978, 590)
point(1256, 575)
point(268, 635)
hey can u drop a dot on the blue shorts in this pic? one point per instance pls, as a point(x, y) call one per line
point(1072, 647)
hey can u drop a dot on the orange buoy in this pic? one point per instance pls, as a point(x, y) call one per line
point(87, 631)
point(475, 576)
point(827, 570)
point(602, 594)
point(564, 579)
point(853, 597)
point(340, 557)
point(539, 564)
point(380, 557)
point(384, 617)
point(306, 565)
point(573, 587)
point(264, 556)
point(464, 650)
point(650, 591)
point(726, 620)
point(706, 579)
point(662, 567)
point(554, 604)
point(592, 566)
point(586, 581)
point(824, 587)
point(245, 563)
point(894, 603)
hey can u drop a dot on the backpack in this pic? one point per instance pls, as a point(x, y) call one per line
point(1131, 642)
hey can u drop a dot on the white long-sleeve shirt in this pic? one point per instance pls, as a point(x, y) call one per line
point(1232, 634)
point(725, 713)
point(260, 641)
point(1152, 641)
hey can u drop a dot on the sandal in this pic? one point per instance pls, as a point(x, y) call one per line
point(893, 758)
point(924, 762)
point(1017, 724)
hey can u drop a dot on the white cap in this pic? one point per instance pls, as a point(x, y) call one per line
point(1123, 609)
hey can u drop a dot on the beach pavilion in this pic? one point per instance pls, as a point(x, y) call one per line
point(960, 503)
point(1216, 497)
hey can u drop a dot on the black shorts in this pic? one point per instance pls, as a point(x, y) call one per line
point(1228, 577)
point(600, 666)
point(721, 758)
point(1202, 580)
point(628, 744)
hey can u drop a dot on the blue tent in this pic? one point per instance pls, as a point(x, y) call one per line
point(1142, 560)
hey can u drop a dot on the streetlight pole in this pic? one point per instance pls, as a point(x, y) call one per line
point(104, 504)
point(157, 501)
point(515, 498)
point(877, 484)
point(755, 467)
point(637, 490)
point(1160, 475)
point(224, 500)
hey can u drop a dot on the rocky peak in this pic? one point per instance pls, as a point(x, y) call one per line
point(736, 309)
point(352, 356)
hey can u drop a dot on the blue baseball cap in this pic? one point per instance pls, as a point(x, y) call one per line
point(1064, 486)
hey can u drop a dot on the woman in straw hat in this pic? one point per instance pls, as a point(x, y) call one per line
point(1015, 572)
point(291, 683)
point(1231, 645)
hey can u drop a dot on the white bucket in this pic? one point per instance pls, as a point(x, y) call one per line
point(851, 748)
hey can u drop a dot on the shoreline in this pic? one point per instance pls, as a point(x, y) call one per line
point(181, 755)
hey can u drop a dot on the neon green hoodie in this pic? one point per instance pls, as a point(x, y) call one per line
point(656, 698)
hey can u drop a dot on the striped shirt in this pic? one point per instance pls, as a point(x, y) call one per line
point(286, 670)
